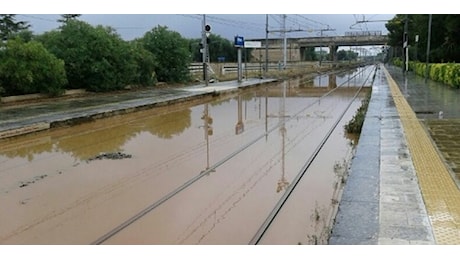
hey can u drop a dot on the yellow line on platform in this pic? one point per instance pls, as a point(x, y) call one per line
point(439, 191)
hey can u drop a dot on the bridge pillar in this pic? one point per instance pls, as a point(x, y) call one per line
point(333, 52)
point(302, 53)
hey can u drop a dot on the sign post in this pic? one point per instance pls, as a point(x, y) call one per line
point(239, 44)
point(206, 31)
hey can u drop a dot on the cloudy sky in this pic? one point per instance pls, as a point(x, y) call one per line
point(251, 26)
point(247, 18)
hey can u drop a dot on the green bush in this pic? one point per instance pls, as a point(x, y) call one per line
point(447, 73)
point(397, 62)
point(355, 125)
point(27, 68)
point(172, 54)
point(96, 58)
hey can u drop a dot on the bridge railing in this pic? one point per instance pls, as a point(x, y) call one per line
point(363, 33)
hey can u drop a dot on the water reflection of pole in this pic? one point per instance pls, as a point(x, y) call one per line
point(428, 48)
point(207, 119)
point(332, 81)
point(266, 113)
point(405, 87)
point(349, 74)
point(282, 183)
point(260, 107)
point(239, 128)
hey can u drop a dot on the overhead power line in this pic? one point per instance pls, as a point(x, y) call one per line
point(38, 18)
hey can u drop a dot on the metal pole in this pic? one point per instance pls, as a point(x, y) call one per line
point(405, 45)
point(239, 65)
point(266, 44)
point(321, 50)
point(407, 60)
point(205, 51)
point(246, 63)
point(428, 48)
point(284, 42)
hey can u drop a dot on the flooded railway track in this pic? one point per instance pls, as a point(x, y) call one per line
point(224, 202)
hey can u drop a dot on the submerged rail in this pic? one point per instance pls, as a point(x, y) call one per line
point(212, 168)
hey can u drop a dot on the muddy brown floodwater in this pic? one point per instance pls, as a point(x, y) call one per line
point(73, 185)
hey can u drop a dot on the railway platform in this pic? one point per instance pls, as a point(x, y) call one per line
point(400, 190)
point(23, 119)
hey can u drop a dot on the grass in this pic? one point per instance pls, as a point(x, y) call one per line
point(355, 125)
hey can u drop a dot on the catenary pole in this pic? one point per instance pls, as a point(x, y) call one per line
point(428, 47)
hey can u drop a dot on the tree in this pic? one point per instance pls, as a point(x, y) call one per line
point(445, 29)
point(346, 55)
point(145, 65)
point(9, 26)
point(96, 58)
point(309, 54)
point(67, 17)
point(171, 51)
point(27, 68)
point(26, 35)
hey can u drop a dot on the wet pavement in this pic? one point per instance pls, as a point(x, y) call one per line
point(437, 106)
point(400, 191)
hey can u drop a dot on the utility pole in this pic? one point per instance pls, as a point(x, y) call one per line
point(321, 46)
point(428, 48)
point(266, 44)
point(405, 46)
point(284, 42)
point(204, 51)
point(321, 50)
point(284, 31)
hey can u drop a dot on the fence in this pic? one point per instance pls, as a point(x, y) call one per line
point(228, 68)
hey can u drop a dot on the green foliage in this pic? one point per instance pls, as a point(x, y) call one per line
point(397, 62)
point(355, 125)
point(218, 47)
point(27, 68)
point(67, 17)
point(9, 26)
point(347, 55)
point(444, 42)
point(145, 65)
point(309, 54)
point(96, 58)
point(447, 73)
point(172, 54)
point(25, 35)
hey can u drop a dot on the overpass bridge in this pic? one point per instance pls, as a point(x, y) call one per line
point(296, 47)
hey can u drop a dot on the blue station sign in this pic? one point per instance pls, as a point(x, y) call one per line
point(239, 41)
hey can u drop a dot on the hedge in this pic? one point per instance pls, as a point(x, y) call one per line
point(447, 73)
